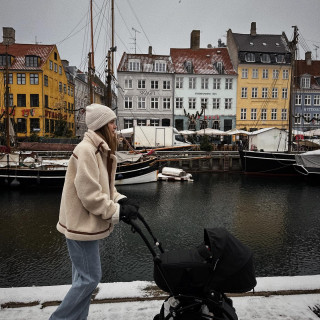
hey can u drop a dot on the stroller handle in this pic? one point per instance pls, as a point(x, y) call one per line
point(135, 228)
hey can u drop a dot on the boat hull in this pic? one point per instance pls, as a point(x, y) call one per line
point(268, 163)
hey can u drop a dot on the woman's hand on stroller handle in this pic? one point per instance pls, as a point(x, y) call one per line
point(128, 212)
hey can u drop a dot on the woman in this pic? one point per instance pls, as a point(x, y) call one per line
point(90, 206)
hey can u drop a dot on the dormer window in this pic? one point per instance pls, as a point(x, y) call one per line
point(188, 66)
point(3, 60)
point(160, 66)
point(250, 57)
point(220, 67)
point(265, 58)
point(32, 61)
point(134, 65)
point(280, 58)
point(305, 82)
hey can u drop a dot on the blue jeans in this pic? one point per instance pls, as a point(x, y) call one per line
point(86, 275)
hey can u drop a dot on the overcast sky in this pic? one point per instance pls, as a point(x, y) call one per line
point(162, 24)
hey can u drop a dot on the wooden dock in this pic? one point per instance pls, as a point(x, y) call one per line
point(200, 161)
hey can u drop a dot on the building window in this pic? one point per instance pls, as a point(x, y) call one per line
point(179, 103)
point(204, 83)
point(244, 73)
point(10, 78)
point(254, 114)
point(216, 103)
point(160, 66)
point(134, 65)
point(154, 84)
point(141, 122)
point(192, 103)
point(265, 58)
point(50, 65)
point(34, 124)
point(220, 67)
point(179, 82)
point(204, 103)
point(250, 57)
point(46, 101)
point(264, 93)
point(274, 93)
point(141, 102)
point(21, 125)
point(60, 86)
point(68, 90)
point(263, 114)
point(10, 99)
point(254, 93)
point(273, 114)
point(284, 93)
point(275, 74)
point(55, 55)
point(265, 74)
point(166, 103)
point(128, 123)
point(3, 60)
point(141, 84)
point(307, 117)
point(244, 92)
point(188, 66)
point(305, 82)
point(21, 78)
point(283, 114)
point(55, 67)
point(298, 99)
point(34, 100)
point(21, 100)
point(128, 102)
point(60, 70)
point(307, 100)
point(128, 83)
point(227, 103)
point(154, 103)
point(34, 78)
point(228, 84)
point(243, 114)
point(166, 85)
point(316, 100)
point(255, 74)
point(280, 58)
point(46, 81)
point(31, 61)
point(154, 122)
point(285, 74)
point(297, 118)
point(216, 84)
point(64, 88)
point(192, 83)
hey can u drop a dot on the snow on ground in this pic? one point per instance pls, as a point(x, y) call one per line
point(295, 307)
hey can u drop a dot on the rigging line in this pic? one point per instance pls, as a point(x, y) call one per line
point(85, 45)
point(138, 22)
point(101, 14)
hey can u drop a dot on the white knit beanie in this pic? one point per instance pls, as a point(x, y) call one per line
point(98, 115)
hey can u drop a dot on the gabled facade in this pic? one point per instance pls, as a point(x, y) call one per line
point(40, 95)
point(263, 64)
point(307, 94)
point(145, 93)
point(205, 87)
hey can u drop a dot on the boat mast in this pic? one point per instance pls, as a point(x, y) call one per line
point(91, 68)
point(292, 86)
point(7, 101)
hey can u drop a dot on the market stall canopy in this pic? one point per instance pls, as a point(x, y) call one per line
point(187, 132)
point(237, 131)
point(125, 132)
point(311, 133)
point(211, 132)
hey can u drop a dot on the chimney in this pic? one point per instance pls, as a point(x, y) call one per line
point(253, 30)
point(9, 36)
point(308, 58)
point(150, 51)
point(195, 39)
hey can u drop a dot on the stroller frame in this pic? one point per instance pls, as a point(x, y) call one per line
point(189, 306)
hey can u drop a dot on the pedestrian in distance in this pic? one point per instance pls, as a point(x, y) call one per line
point(90, 207)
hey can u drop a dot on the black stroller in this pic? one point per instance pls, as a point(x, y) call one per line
point(198, 278)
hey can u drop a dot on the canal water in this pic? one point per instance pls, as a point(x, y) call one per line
point(278, 219)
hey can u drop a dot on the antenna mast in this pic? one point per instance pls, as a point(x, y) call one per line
point(135, 39)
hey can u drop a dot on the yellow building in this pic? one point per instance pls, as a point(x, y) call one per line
point(263, 63)
point(41, 98)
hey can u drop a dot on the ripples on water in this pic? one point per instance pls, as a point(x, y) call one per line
point(277, 218)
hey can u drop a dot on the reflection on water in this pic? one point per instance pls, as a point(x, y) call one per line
point(277, 218)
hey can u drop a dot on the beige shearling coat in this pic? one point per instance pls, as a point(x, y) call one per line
point(89, 208)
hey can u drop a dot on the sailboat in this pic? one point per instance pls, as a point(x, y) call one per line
point(274, 162)
point(36, 168)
